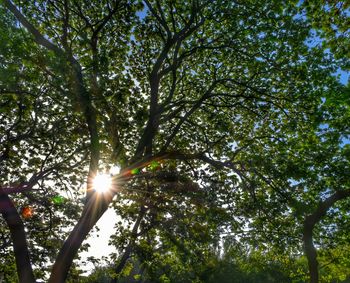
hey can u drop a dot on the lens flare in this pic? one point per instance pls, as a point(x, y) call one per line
point(135, 171)
point(27, 212)
point(102, 183)
point(57, 200)
point(154, 165)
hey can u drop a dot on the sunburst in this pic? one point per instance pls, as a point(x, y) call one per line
point(102, 183)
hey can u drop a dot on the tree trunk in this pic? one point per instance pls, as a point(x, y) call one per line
point(309, 249)
point(309, 225)
point(92, 212)
point(18, 237)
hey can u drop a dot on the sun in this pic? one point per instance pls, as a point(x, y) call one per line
point(102, 183)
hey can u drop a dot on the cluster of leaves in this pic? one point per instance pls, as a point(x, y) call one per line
point(331, 21)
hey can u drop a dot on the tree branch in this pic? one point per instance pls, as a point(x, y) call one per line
point(15, 224)
point(146, 141)
point(84, 97)
point(39, 38)
point(187, 115)
point(161, 18)
point(309, 225)
point(130, 246)
point(93, 210)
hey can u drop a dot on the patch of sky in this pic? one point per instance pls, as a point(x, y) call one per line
point(324, 128)
point(313, 40)
point(262, 35)
point(342, 76)
point(325, 194)
point(296, 182)
point(99, 241)
point(142, 14)
point(344, 141)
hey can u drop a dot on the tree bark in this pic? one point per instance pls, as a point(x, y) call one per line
point(309, 249)
point(309, 225)
point(92, 212)
point(20, 247)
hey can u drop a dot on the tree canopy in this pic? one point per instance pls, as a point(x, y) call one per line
point(227, 123)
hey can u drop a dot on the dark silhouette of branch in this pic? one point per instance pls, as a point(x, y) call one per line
point(309, 225)
point(128, 250)
point(38, 37)
point(18, 237)
point(160, 17)
point(93, 210)
point(88, 109)
point(173, 40)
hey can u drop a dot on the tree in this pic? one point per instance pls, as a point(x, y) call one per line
point(196, 101)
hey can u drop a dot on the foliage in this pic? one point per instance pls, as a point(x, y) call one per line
point(331, 20)
point(227, 127)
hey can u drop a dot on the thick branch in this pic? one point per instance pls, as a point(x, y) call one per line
point(146, 141)
point(39, 38)
point(18, 237)
point(130, 246)
point(152, 124)
point(94, 207)
point(89, 112)
point(84, 97)
point(92, 212)
point(309, 225)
